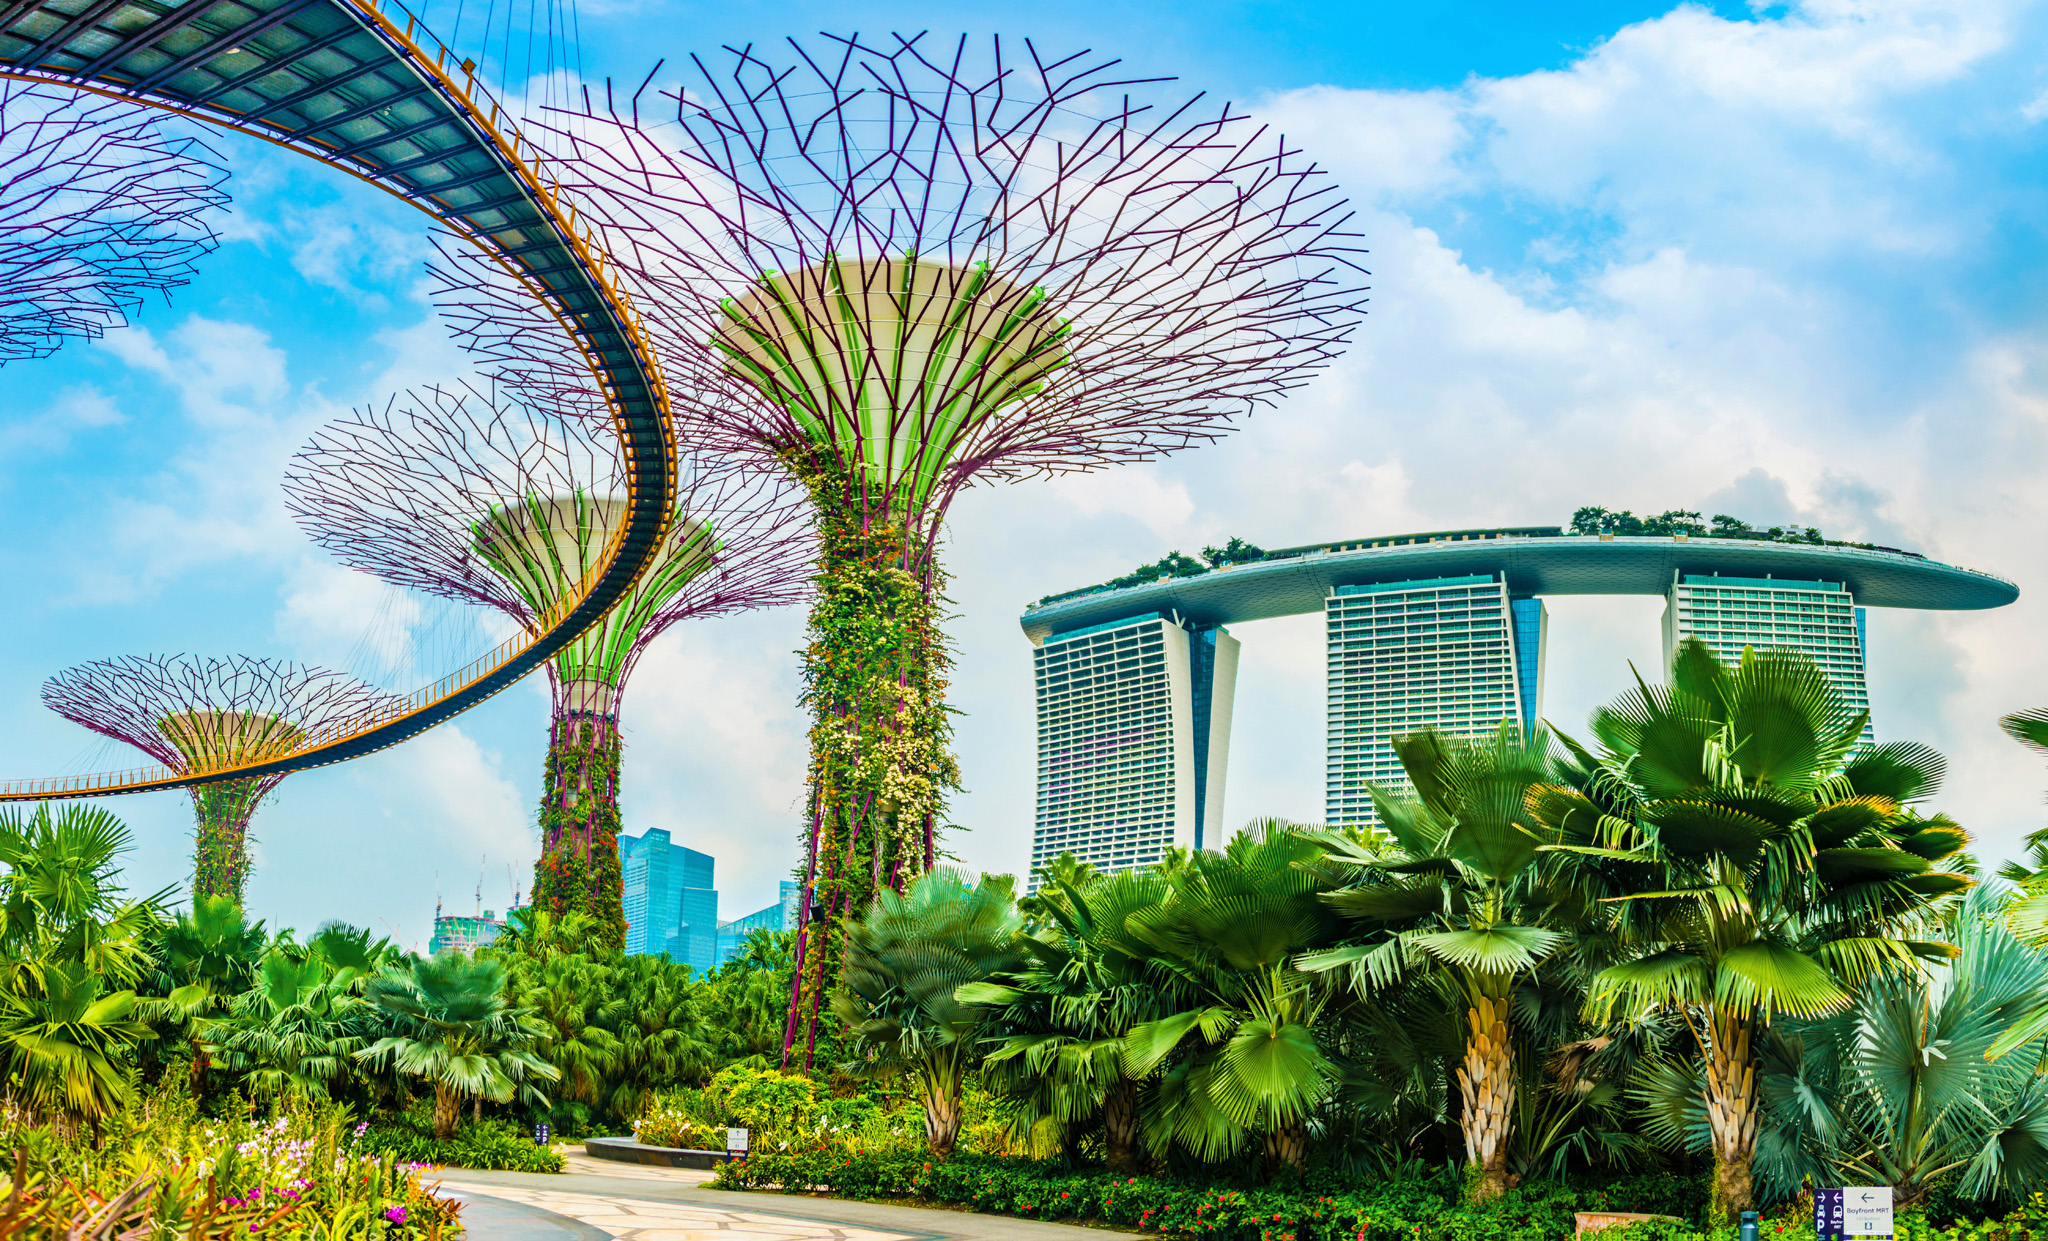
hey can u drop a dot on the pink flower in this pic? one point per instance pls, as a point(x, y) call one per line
point(395, 1214)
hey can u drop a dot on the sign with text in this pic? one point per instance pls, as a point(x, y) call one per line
point(1855, 1211)
point(736, 1143)
point(1867, 1211)
point(540, 1135)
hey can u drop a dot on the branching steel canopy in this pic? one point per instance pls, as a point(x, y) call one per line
point(361, 86)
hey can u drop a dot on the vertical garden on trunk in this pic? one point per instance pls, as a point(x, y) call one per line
point(471, 495)
point(894, 273)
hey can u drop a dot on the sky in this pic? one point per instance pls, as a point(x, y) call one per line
point(1783, 262)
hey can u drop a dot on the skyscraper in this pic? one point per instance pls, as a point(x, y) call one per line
point(1459, 654)
point(1442, 629)
point(781, 916)
point(1133, 739)
point(1819, 619)
point(671, 905)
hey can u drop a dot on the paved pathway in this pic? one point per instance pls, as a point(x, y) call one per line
point(596, 1199)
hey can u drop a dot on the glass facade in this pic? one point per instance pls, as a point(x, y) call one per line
point(1458, 654)
point(1818, 619)
point(671, 903)
point(781, 916)
point(1133, 740)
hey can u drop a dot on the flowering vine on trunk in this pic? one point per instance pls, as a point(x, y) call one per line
point(578, 868)
point(875, 676)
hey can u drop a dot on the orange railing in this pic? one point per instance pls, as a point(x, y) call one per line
point(332, 743)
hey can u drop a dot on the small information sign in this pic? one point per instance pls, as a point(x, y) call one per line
point(1853, 1213)
point(736, 1143)
point(1867, 1211)
point(540, 1134)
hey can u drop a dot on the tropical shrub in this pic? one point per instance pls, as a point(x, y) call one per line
point(165, 1170)
point(491, 1143)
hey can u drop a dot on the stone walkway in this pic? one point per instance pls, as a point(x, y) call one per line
point(595, 1199)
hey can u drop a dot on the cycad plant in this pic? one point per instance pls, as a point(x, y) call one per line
point(1757, 864)
point(1240, 1059)
point(1064, 1011)
point(1451, 891)
point(458, 1032)
point(906, 963)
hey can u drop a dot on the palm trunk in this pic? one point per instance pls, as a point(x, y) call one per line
point(1120, 1128)
point(447, 1111)
point(1287, 1147)
point(1731, 1112)
point(1486, 1087)
point(941, 1121)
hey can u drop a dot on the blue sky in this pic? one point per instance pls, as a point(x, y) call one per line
point(1785, 263)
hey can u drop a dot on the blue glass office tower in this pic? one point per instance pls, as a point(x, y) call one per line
point(671, 902)
point(781, 916)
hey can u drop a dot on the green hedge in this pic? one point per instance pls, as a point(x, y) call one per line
point(1419, 1208)
point(496, 1144)
point(1410, 1209)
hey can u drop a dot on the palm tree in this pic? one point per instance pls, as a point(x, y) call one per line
point(205, 957)
point(1240, 1058)
point(458, 1033)
point(745, 1002)
point(1066, 1008)
point(1757, 864)
point(1898, 1090)
point(660, 1034)
point(563, 974)
point(904, 967)
point(71, 953)
point(1453, 890)
point(295, 1031)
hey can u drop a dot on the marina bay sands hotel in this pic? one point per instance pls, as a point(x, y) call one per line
point(1445, 630)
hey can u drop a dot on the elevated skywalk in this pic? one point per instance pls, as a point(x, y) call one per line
point(361, 86)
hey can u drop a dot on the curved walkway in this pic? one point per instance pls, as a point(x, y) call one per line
point(597, 1199)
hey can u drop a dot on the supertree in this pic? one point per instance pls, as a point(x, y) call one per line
point(98, 207)
point(196, 714)
point(463, 493)
point(894, 269)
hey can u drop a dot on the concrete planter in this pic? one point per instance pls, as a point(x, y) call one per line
point(626, 1150)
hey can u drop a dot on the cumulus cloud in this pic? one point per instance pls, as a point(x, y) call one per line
point(1738, 266)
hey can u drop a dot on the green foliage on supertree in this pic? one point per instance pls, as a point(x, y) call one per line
point(876, 668)
point(221, 859)
point(578, 870)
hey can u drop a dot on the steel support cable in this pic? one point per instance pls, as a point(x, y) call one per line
point(386, 50)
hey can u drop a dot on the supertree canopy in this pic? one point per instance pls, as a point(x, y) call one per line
point(468, 495)
point(196, 714)
point(98, 207)
point(894, 268)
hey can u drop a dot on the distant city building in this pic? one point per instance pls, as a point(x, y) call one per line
point(464, 934)
point(1445, 629)
point(781, 916)
point(1133, 740)
point(670, 898)
point(1816, 618)
point(1457, 654)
